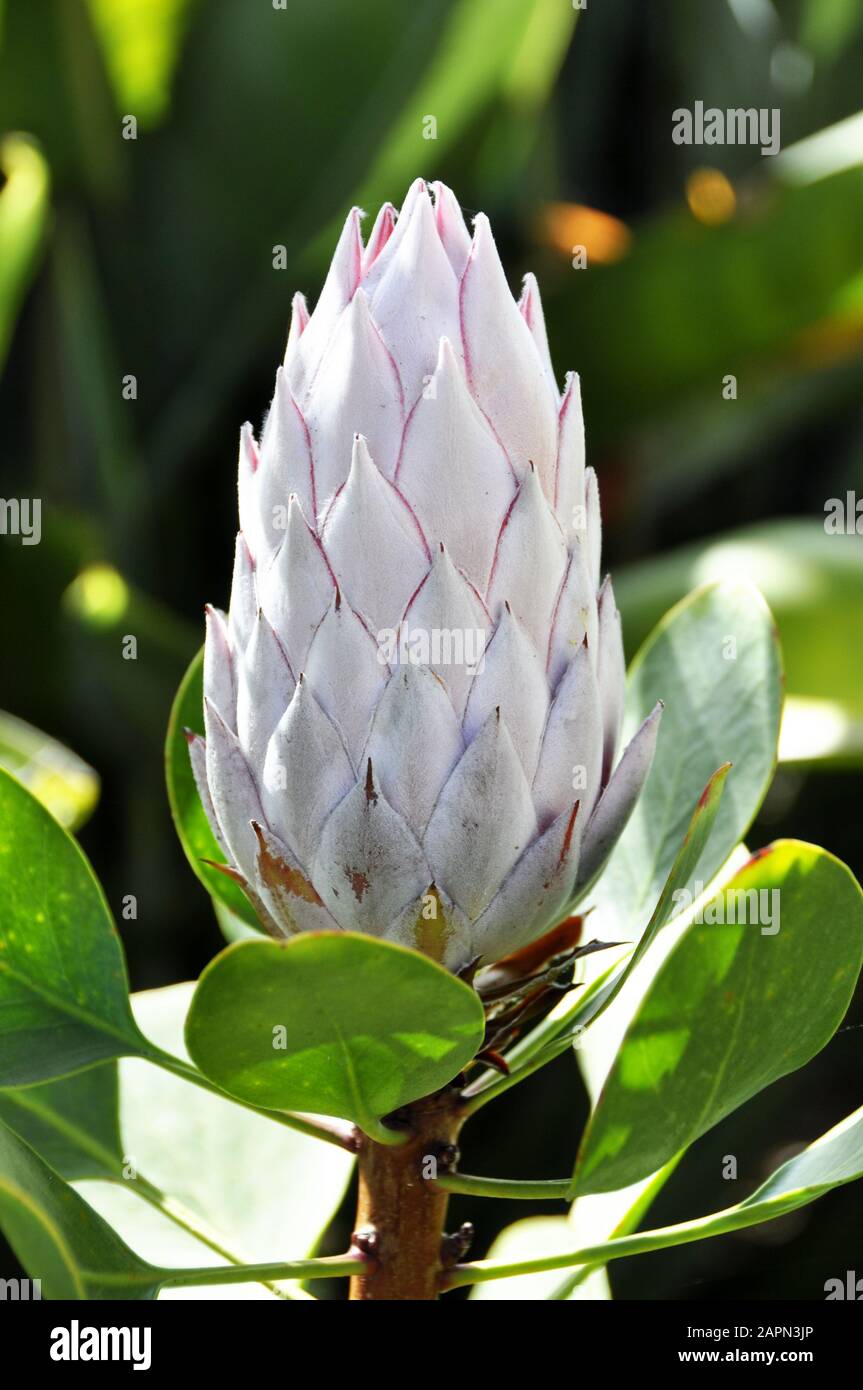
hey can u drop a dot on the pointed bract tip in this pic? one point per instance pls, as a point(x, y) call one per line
point(370, 793)
point(360, 456)
point(248, 447)
point(529, 296)
point(446, 357)
point(244, 550)
point(381, 232)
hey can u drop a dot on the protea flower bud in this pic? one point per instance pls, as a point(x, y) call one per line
point(413, 707)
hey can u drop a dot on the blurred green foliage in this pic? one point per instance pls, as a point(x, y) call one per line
point(58, 777)
point(813, 583)
point(23, 208)
point(257, 128)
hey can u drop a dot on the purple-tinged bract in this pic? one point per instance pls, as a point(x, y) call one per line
point(413, 706)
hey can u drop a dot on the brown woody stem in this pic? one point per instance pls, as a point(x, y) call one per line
point(400, 1213)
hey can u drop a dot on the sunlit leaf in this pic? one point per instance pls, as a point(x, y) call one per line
point(331, 1022)
point(56, 776)
point(23, 211)
point(171, 1166)
point(58, 1238)
point(714, 661)
point(747, 995)
point(64, 1001)
point(813, 581)
point(141, 43)
point(214, 1160)
point(73, 1123)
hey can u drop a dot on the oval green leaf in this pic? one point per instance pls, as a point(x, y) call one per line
point(142, 1169)
point(734, 1007)
point(331, 1022)
point(58, 1238)
point(714, 660)
point(192, 826)
point(64, 997)
point(205, 1155)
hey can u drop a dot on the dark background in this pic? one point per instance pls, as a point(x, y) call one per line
point(154, 257)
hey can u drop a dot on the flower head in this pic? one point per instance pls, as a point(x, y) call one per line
point(413, 706)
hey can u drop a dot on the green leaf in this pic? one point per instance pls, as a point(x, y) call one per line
point(834, 1159)
point(705, 297)
point(141, 45)
point(679, 880)
point(261, 1189)
point(516, 49)
point(714, 660)
point(23, 211)
point(610, 1213)
point(526, 1240)
point(62, 1241)
point(72, 1123)
point(813, 582)
point(57, 777)
point(734, 1007)
point(64, 1001)
point(606, 1216)
point(192, 825)
point(178, 1177)
point(591, 1219)
point(331, 1022)
point(231, 927)
point(73, 119)
point(58, 1238)
point(384, 68)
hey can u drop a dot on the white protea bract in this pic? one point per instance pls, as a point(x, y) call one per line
point(413, 707)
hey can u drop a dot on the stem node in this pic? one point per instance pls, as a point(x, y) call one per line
point(402, 1212)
